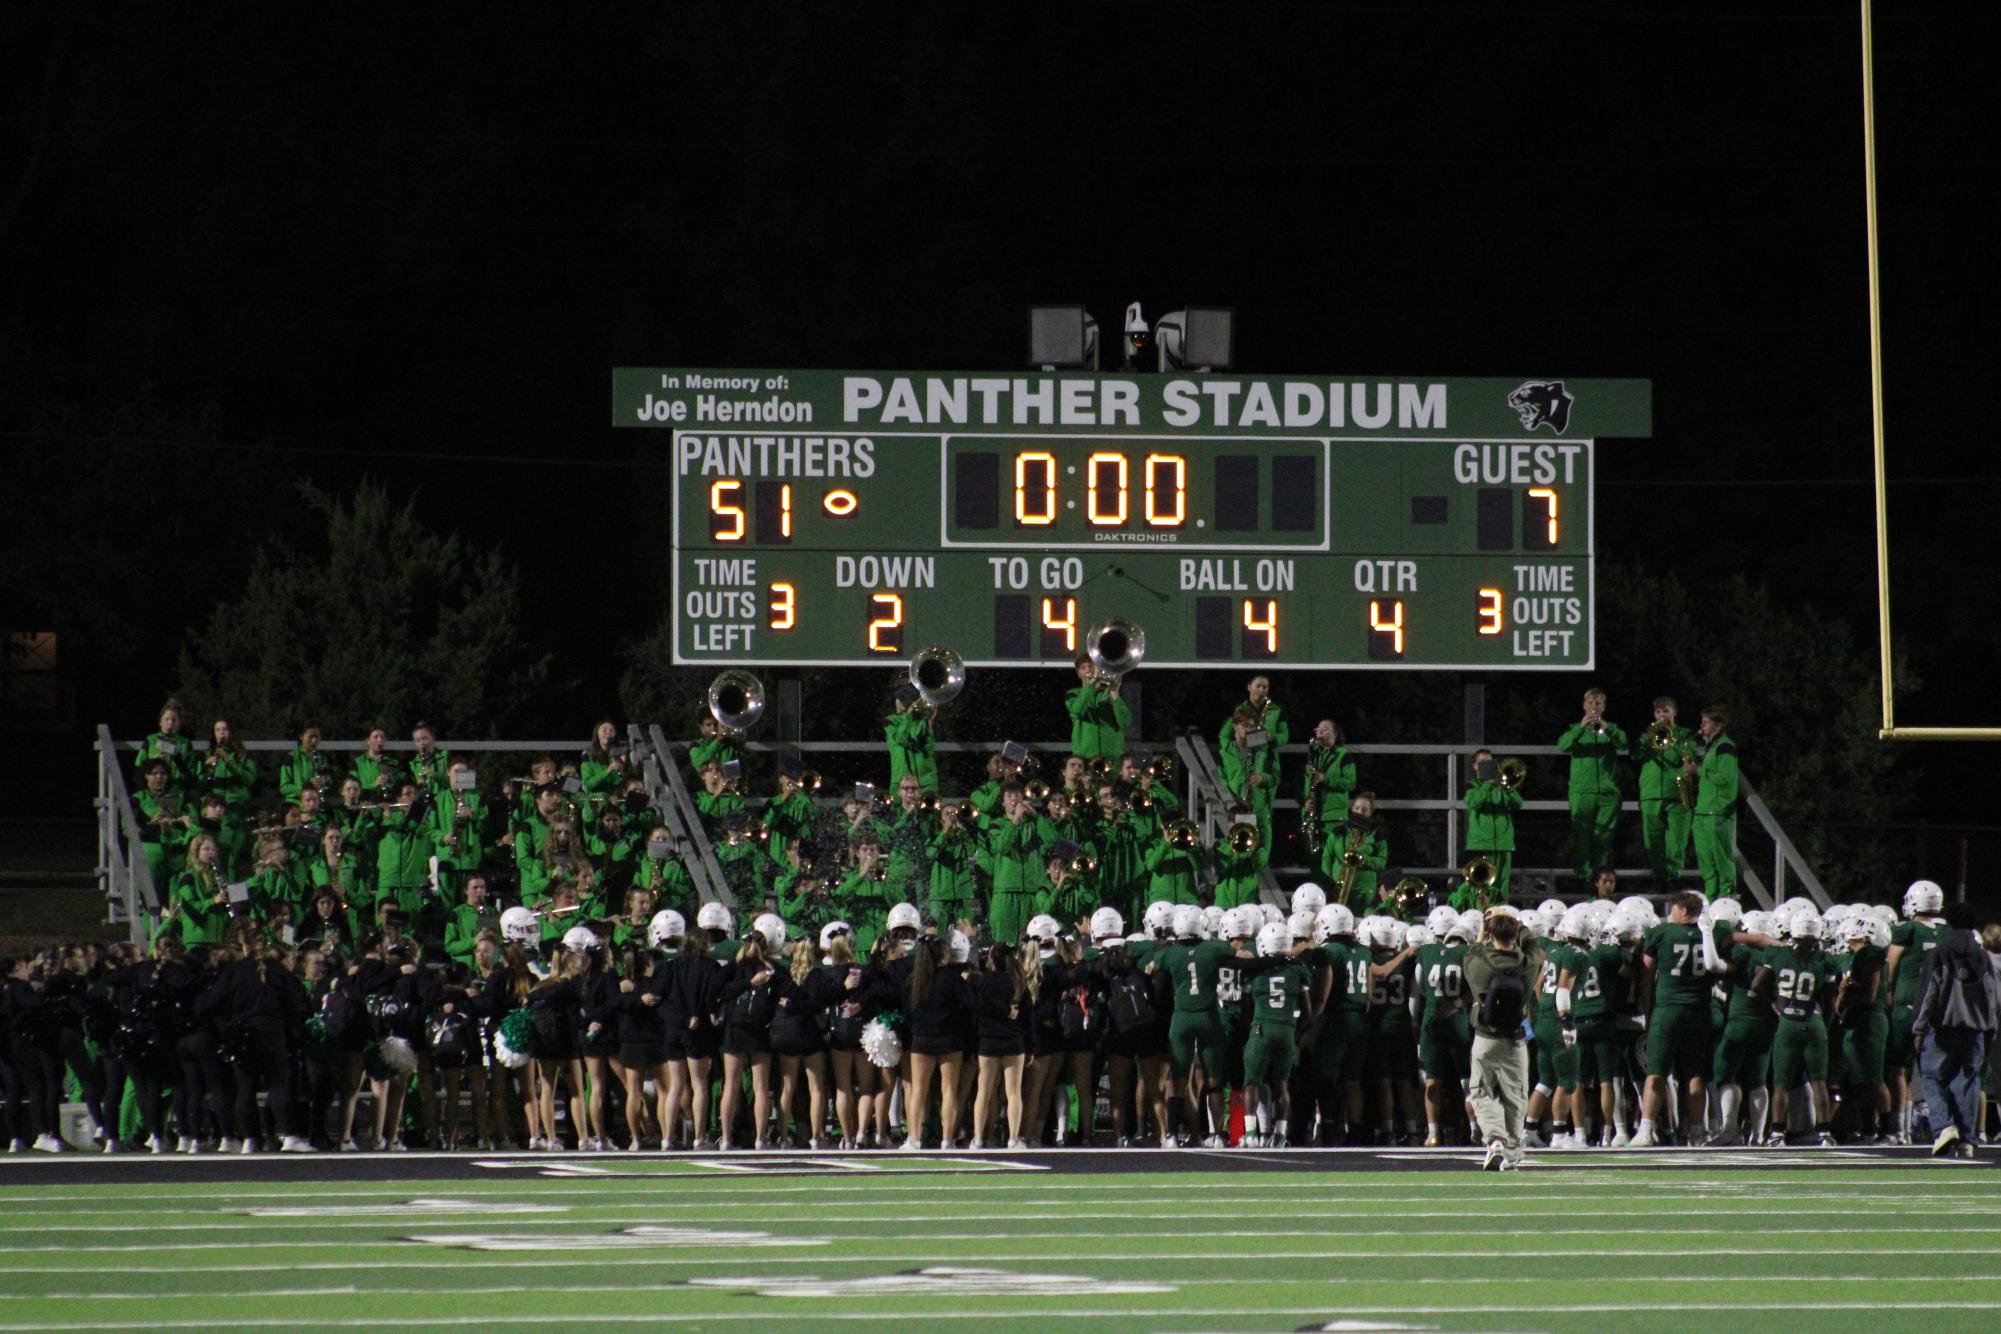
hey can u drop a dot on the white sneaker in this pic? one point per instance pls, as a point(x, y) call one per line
point(1642, 1139)
point(193, 1146)
point(295, 1144)
point(231, 1145)
point(49, 1144)
point(349, 1146)
point(1017, 1146)
point(184, 1145)
point(816, 1145)
point(156, 1145)
point(397, 1146)
point(1215, 1142)
point(1513, 1160)
point(1622, 1139)
point(1251, 1140)
point(1062, 1136)
point(114, 1146)
point(1495, 1159)
point(249, 1147)
point(910, 1146)
point(1534, 1139)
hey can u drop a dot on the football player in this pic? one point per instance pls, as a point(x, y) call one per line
point(1195, 1033)
point(1799, 983)
point(1340, 1004)
point(1674, 981)
point(1444, 1033)
point(1917, 936)
point(1278, 998)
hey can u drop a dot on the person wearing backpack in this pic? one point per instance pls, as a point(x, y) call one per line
point(1959, 1002)
point(1136, 1042)
point(1497, 971)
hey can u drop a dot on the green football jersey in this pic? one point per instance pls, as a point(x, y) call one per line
point(1441, 975)
point(1350, 962)
point(1390, 993)
point(1744, 962)
point(1279, 996)
point(1558, 957)
point(1193, 967)
point(1597, 974)
point(1917, 940)
point(1231, 985)
point(1866, 963)
point(1800, 981)
point(1679, 978)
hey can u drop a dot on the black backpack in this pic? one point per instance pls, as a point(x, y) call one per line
point(1503, 1004)
point(1077, 1015)
point(451, 1040)
point(1131, 1002)
point(754, 1008)
point(342, 1015)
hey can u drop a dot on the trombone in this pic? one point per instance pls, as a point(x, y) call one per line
point(1480, 873)
point(1411, 892)
point(736, 700)
point(1244, 839)
point(1182, 835)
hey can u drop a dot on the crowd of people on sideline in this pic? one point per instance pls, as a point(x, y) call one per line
point(905, 968)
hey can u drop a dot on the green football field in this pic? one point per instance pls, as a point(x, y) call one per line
point(1030, 1244)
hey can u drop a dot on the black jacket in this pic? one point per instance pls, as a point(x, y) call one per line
point(1959, 988)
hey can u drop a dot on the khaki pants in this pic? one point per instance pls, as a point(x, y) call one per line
point(1499, 1089)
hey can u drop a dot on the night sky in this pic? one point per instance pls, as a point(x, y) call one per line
point(262, 249)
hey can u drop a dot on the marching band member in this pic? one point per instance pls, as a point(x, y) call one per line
point(1715, 805)
point(1660, 752)
point(1594, 746)
point(1490, 820)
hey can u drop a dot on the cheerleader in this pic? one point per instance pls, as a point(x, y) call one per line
point(749, 1005)
point(555, 1003)
point(263, 1005)
point(599, 1041)
point(642, 1044)
point(840, 980)
point(30, 1024)
point(799, 1039)
point(413, 997)
point(349, 1026)
point(933, 1003)
point(693, 995)
point(504, 987)
point(1003, 996)
point(890, 961)
point(1058, 1059)
point(205, 1080)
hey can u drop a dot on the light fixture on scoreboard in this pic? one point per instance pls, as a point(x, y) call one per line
point(1062, 338)
point(1197, 338)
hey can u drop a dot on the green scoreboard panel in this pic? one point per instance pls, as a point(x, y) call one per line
point(848, 518)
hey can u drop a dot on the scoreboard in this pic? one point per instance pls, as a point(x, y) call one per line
point(850, 518)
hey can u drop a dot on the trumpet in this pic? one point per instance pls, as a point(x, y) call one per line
point(1182, 834)
point(1036, 792)
point(1160, 769)
point(965, 813)
point(1244, 839)
point(1083, 864)
point(809, 781)
point(1115, 647)
point(930, 802)
point(1100, 770)
point(1479, 873)
point(1142, 802)
point(736, 700)
point(938, 674)
point(1514, 773)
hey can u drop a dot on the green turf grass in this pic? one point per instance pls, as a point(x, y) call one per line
point(1563, 1249)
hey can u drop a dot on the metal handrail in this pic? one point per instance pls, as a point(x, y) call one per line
point(122, 869)
point(707, 871)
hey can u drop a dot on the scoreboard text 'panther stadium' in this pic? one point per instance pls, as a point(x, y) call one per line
point(843, 518)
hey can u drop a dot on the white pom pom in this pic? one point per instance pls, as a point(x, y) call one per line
point(506, 1054)
point(881, 1045)
point(399, 1056)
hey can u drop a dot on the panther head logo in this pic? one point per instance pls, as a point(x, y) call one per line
point(1542, 403)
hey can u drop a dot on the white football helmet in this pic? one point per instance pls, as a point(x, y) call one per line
point(1106, 924)
point(1158, 919)
point(1271, 914)
point(1626, 928)
point(904, 916)
point(1309, 897)
point(1923, 898)
point(1795, 903)
point(1538, 922)
point(1416, 936)
point(1756, 922)
point(1274, 940)
point(1575, 924)
point(1333, 920)
point(1300, 925)
point(834, 928)
point(1804, 926)
point(715, 917)
point(961, 947)
point(580, 940)
point(1440, 920)
point(1599, 912)
point(1726, 910)
point(1044, 928)
point(1212, 923)
point(772, 927)
point(1466, 928)
point(666, 925)
point(1883, 913)
point(1383, 933)
point(1868, 927)
point(1552, 910)
point(1641, 907)
point(519, 925)
point(1243, 922)
point(1187, 922)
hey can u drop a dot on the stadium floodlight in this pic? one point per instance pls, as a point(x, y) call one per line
point(1197, 338)
point(1062, 338)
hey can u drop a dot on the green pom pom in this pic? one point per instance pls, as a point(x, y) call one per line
point(316, 1036)
point(518, 1029)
